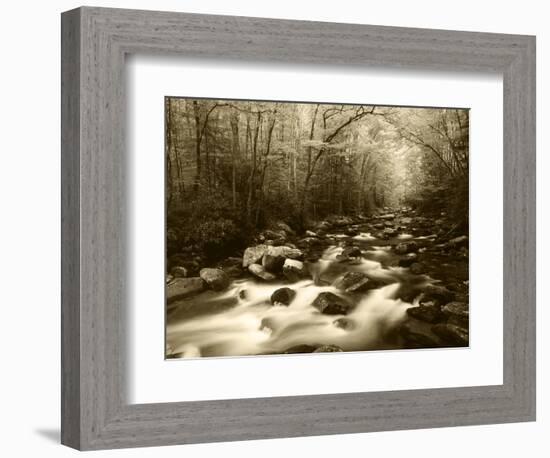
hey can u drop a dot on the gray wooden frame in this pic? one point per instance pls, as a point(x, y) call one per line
point(95, 413)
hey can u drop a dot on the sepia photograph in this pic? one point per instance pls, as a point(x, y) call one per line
point(310, 228)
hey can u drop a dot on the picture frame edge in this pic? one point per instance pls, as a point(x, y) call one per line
point(94, 414)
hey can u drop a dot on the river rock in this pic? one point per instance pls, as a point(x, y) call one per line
point(274, 235)
point(353, 282)
point(322, 226)
point(259, 271)
point(283, 296)
point(456, 308)
point(339, 221)
point(408, 260)
point(344, 323)
point(254, 254)
point(327, 349)
point(216, 279)
point(457, 242)
point(417, 334)
point(349, 253)
point(273, 264)
point(282, 226)
point(181, 288)
point(452, 334)
point(331, 304)
point(407, 247)
point(294, 270)
point(427, 313)
point(309, 241)
point(285, 251)
point(387, 216)
point(457, 313)
point(438, 294)
point(179, 272)
point(390, 232)
point(311, 234)
point(304, 348)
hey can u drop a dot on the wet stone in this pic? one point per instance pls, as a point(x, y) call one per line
point(438, 294)
point(181, 288)
point(327, 349)
point(273, 264)
point(216, 279)
point(283, 296)
point(331, 304)
point(427, 313)
point(301, 349)
point(353, 282)
point(260, 272)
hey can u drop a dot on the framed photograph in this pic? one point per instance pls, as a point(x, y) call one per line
point(277, 228)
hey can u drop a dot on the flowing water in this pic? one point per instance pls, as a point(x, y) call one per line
point(242, 320)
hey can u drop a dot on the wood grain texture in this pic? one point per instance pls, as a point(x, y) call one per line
point(95, 413)
point(70, 229)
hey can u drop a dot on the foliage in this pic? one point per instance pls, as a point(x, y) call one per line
point(236, 167)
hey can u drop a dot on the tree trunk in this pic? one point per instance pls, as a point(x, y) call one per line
point(252, 177)
point(235, 153)
point(196, 111)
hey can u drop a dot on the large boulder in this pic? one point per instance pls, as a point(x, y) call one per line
point(285, 251)
point(331, 304)
point(294, 270)
point(216, 279)
point(273, 264)
point(283, 296)
point(181, 288)
point(259, 271)
point(254, 254)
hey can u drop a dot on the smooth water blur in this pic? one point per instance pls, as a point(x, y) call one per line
point(242, 321)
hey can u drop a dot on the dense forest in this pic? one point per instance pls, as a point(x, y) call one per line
point(236, 167)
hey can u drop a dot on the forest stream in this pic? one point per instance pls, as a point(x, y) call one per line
point(359, 279)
